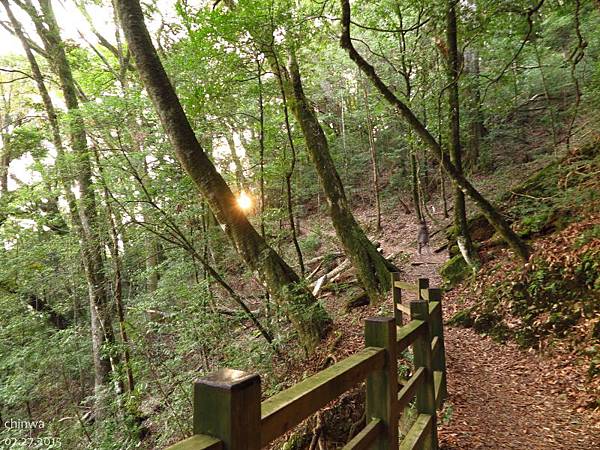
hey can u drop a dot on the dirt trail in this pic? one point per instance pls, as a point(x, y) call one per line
point(501, 399)
point(499, 395)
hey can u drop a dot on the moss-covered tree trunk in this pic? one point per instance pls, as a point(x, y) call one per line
point(463, 237)
point(307, 315)
point(491, 214)
point(372, 268)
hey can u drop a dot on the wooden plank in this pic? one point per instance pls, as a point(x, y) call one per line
point(418, 433)
point(198, 442)
point(435, 346)
point(422, 286)
point(437, 329)
point(438, 378)
point(407, 393)
point(287, 409)
point(405, 309)
point(408, 333)
point(406, 286)
point(367, 436)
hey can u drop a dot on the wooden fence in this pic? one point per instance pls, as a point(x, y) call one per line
point(229, 415)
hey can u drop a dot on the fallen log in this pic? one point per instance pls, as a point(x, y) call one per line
point(323, 257)
point(319, 284)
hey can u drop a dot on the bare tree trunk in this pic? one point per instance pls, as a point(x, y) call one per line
point(261, 143)
point(5, 158)
point(491, 214)
point(307, 315)
point(373, 153)
point(548, 97)
point(476, 125)
point(237, 162)
point(575, 58)
point(290, 211)
point(117, 263)
point(415, 185)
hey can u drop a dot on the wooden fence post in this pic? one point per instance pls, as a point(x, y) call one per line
point(437, 330)
point(382, 385)
point(422, 283)
point(419, 310)
point(227, 406)
point(397, 298)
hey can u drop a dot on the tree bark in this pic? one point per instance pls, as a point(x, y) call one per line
point(415, 185)
point(463, 237)
point(307, 315)
point(239, 168)
point(491, 214)
point(288, 176)
point(5, 158)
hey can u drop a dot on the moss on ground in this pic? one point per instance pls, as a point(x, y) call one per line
point(454, 271)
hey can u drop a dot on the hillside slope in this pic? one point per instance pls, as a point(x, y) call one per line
point(552, 303)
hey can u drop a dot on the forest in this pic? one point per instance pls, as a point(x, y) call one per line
point(195, 185)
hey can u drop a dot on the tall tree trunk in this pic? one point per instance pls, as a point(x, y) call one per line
point(491, 214)
point(548, 97)
point(575, 58)
point(288, 176)
point(261, 149)
point(476, 125)
point(372, 268)
point(415, 185)
point(307, 315)
point(290, 210)
point(91, 245)
point(5, 158)
point(463, 237)
point(237, 162)
point(117, 263)
point(373, 153)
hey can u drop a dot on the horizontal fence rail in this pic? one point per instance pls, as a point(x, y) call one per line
point(229, 414)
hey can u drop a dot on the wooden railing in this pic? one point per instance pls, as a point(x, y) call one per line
point(229, 415)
